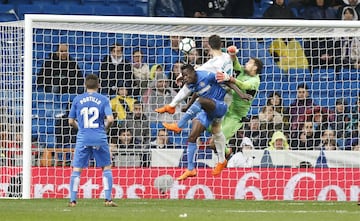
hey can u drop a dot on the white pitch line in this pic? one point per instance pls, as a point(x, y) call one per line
point(293, 211)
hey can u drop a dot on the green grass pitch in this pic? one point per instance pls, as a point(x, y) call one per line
point(224, 210)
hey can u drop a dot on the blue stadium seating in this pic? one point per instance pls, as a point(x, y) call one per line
point(81, 10)
point(28, 9)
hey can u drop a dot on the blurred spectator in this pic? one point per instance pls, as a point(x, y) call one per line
point(268, 115)
point(122, 104)
point(236, 140)
point(165, 8)
point(279, 10)
point(328, 140)
point(349, 47)
point(278, 142)
point(320, 52)
point(204, 49)
point(123, 138)
point(320, 9)
point(154, 70)
point(355, 113)
point(126, 149)
point(240, 9)
point(307, 139)
point(275, 100)
point(205, 8)
point(162, 140)
point(299, 107)
point(115, 72)
point(168, 55)
point(288, 53)
point(342, 123)
point(61, 73)
point(239, 159)
point(176, 70)
point(321, 117)
point(354, 138)
point(252, 130)
point(193, 57)
point(140, 69)
point(138, 122)
point(349, 3)
point(158, 95)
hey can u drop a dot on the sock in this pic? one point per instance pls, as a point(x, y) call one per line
point(74, 185)
point(220, 145)
point(189, 114)
point(191, 150)
point(107, 182)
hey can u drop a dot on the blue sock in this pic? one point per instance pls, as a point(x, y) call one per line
point(191, 150)
point(189, 114)
point(74, 185)
point(107, 182)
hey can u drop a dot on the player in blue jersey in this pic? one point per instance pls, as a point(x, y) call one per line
point(87, 114)
point(208, 105)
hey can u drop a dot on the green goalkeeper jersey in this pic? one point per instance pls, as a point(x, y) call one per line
point(247, 84)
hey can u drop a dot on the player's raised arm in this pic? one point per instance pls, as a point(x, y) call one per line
point(221, 77)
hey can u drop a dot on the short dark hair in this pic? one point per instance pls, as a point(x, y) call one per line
point(303, 85)
point(215, 42)
point(115, 45)
point(92, 81)
point(259, 64)
point(273, 94)
point(138, 103)
point(188, 66)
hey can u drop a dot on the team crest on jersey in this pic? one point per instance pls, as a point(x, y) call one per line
point(202, 84)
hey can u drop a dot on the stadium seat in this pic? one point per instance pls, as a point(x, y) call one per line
point(60, 9)
point(81, 10)
point(28, 9)
point(106, 10)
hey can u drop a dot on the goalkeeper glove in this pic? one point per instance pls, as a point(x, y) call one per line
point(166, 109)
point(232, 50)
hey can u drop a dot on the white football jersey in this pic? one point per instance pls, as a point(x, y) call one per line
point(221, 63)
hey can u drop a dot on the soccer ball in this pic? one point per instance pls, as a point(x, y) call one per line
point(186, 45)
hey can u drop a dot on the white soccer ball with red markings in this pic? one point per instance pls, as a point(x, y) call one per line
point(186, 45)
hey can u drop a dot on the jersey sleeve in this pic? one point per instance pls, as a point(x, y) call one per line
point(250, 84)
point(211, 77)
point(237, 66)
point(107, 108)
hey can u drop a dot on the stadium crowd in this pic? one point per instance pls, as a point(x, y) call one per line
point(137, 87)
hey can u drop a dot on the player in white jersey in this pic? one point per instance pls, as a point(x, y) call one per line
point(220, 62)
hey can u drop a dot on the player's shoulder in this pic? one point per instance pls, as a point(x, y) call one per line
point(203, 73)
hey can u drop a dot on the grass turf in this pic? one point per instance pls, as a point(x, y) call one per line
point(224, 210)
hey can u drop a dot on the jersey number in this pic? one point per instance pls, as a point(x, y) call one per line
point(89, 122)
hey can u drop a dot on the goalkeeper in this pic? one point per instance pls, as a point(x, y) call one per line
point(248, 81)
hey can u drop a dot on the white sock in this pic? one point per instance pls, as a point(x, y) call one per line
point(220, 145)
